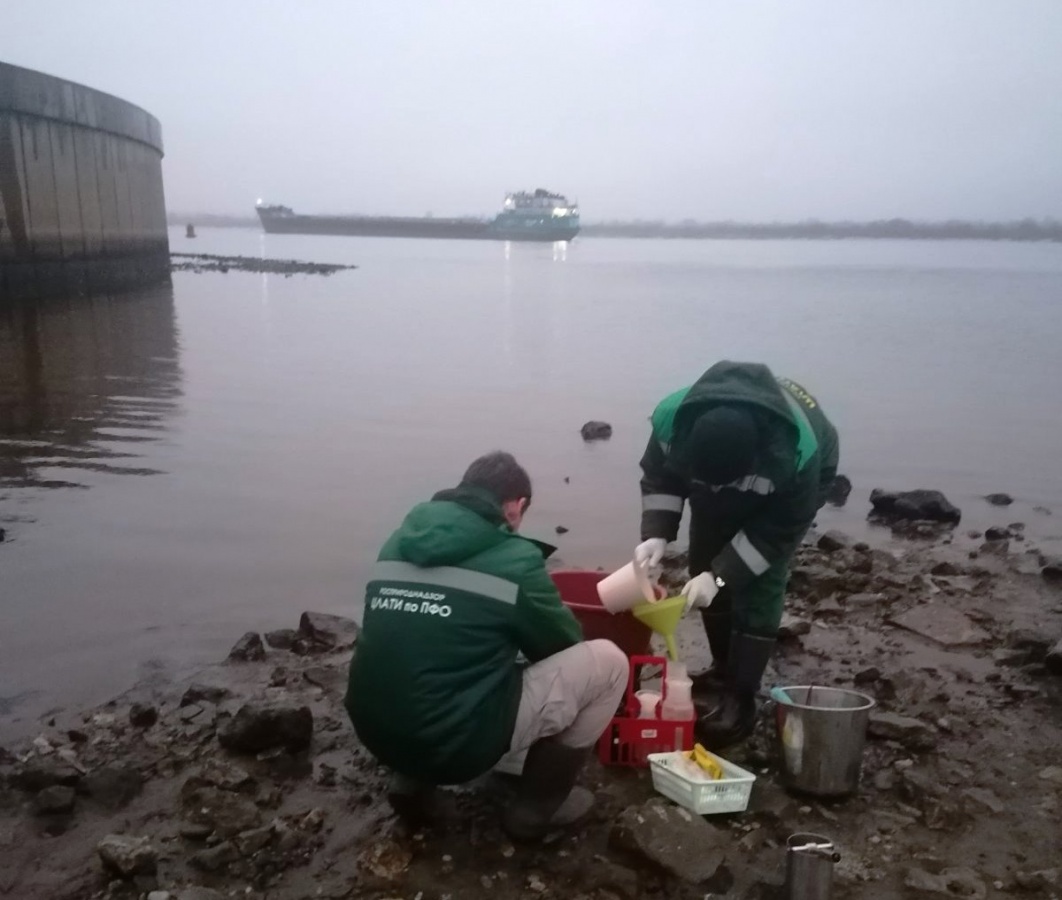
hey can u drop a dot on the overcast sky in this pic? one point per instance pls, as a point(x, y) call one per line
point(709, 109)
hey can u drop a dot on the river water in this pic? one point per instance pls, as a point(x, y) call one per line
point(181, 465)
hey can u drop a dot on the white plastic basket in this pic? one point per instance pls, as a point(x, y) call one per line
point(699, 793)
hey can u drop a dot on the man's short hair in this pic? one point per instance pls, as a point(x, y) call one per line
point(501, 474)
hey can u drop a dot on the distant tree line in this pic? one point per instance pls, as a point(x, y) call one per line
point(812, 229)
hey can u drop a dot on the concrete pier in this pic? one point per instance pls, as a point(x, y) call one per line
point(82, 208)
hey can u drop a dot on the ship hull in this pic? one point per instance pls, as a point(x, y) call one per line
point(395, 227)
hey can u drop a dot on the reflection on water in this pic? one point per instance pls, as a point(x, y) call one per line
point(84, 383)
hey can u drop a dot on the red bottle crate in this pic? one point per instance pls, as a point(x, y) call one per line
point(628, 740)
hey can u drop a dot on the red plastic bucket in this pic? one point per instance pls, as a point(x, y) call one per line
point(578, 590)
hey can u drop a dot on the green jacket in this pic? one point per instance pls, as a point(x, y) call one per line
point(455, 595)
point(759, 519)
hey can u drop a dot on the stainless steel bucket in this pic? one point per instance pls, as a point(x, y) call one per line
point(809, 863)
point(820, 736)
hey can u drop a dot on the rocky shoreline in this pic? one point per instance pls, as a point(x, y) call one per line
point(249, 781)
point(199, 263)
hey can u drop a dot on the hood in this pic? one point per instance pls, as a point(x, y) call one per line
point(752, 384)
point(453, 526)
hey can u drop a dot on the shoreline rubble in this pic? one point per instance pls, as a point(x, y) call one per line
point(248, 779)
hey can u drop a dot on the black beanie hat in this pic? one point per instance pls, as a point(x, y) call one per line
point(720, 447)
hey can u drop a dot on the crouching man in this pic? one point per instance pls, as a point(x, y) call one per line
point(436, 692)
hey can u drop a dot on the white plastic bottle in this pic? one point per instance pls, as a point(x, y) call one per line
point(678, 699)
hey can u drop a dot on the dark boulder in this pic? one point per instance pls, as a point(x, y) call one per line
point(1053, 659)
point(832, 541)
point(1052, 570)
point(263, 726)
point(997, 533)
point(282, 639)
point(128, 856)
point(918, 505)
point(999, 499)
point(54, 800)
point(1033, 643)
point(909, 732)
point(671, 839)
point(249, 648)
point(198, 693)
point(113, 787)
point(945, 569)
point(328, 631)
point(143, 715)
point(838, 491)
point(596, 431)
point(39, 773)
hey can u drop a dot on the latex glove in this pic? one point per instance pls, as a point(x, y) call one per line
point(650, 553)
point(700, 591)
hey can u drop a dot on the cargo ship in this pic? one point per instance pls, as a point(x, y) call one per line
point(525, 216)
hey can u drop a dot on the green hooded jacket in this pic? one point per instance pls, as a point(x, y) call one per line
point(759, 519)
point(454, 597)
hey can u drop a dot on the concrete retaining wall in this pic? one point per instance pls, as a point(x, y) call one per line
point(81, 201)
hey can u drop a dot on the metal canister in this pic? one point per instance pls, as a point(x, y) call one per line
point(809, 863)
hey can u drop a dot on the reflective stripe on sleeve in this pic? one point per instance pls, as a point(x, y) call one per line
point(662, 502)
point(750, 556)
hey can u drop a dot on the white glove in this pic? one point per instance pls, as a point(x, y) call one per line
point(650, 553)
point(700, 591)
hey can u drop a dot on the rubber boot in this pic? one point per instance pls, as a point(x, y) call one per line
point(735, 716)
point(547, 796)
point(708, 685)
point(415, 803)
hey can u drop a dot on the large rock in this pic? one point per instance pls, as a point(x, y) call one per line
point(250, 842)
point(816, 581)
point(332, 632)
point(1053, 660)
point(114, 786)
point(263, 726)
point(143, 715)
point(919, 505)
point(249, 648)
point(1052, 570)
point(866, 600)
point(385, 859)
point(40, 772)
point(198, 693)
point(596, 431)
point(1044, 880)
point(999, 499)
point(1034, 643)
point(958, 881)
point(225, 813)
point(946, 569)
point(54, 800)
point(942, 624)
point(128, 856)
point(281, 639)
point(838, 491)
point(833, 540)
point(677, 841)
point(792, 627)
point(906, 731)
point(215, 858)
point(222, 775)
